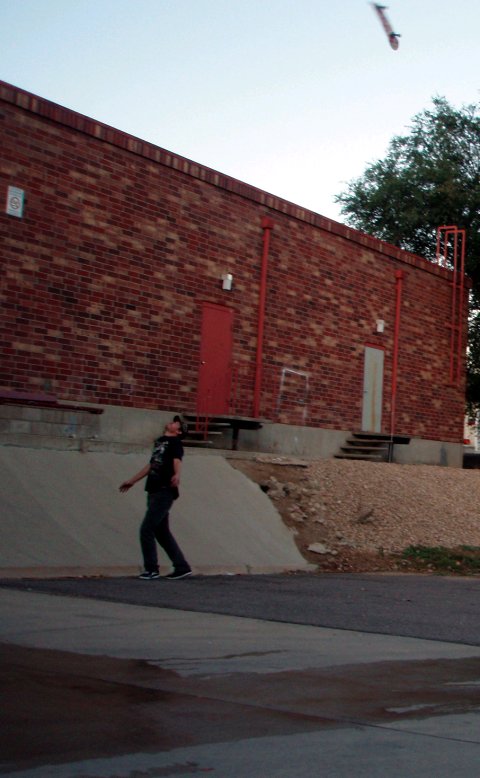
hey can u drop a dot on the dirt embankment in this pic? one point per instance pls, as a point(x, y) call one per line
point(360, 516)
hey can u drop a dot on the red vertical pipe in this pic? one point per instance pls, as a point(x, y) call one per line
point(398, 306)
point(267, 226)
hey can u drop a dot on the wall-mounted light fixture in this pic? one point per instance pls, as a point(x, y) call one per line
point(380, 325)
point(227, 281)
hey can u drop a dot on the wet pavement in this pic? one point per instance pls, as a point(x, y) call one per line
point(236, 676)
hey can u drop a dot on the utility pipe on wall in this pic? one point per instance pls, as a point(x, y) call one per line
point(398, 305)
point(267, 226)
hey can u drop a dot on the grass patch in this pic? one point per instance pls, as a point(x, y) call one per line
point(462, 560)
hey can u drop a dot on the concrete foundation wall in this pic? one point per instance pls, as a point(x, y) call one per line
point(429, 452)
point(294, 440)
point(133, 429)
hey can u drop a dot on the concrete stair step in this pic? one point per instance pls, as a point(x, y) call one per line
point(365, 457)
point(191, 443)
point(361, 447)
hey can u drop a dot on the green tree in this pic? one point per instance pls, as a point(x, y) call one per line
point(429, 177)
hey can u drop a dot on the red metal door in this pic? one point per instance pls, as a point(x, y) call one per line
point(215, 374)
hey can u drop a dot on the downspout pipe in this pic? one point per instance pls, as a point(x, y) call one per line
point(399, 275)
point(267, 227)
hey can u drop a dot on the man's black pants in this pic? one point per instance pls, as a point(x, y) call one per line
point(155, 527)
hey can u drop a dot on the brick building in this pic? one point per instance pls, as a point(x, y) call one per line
point(137, 280)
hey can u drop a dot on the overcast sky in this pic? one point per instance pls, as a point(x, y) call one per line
point(296, 97)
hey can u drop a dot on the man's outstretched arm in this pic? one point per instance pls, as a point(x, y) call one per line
point(133, 480)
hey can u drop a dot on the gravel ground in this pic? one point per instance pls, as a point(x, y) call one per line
point(351, 515)
point(380, 505)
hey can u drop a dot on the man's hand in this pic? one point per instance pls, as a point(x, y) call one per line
point(175, 479)
point(125, 486)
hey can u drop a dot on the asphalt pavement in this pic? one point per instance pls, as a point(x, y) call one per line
point(421, 606)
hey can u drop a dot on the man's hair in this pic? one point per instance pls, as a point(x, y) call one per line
point(183, 425)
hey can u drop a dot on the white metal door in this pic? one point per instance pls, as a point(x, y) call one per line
point(372, 390)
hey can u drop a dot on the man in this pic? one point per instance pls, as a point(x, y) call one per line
point(163, 479)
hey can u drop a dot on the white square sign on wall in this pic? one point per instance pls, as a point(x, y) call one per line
point(15, 199)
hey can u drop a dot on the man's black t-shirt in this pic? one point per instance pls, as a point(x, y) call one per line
point(165, 450)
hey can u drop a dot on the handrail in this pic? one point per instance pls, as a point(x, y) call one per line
point(453, 236)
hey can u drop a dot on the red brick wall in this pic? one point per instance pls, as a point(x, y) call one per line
point(104, 277)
